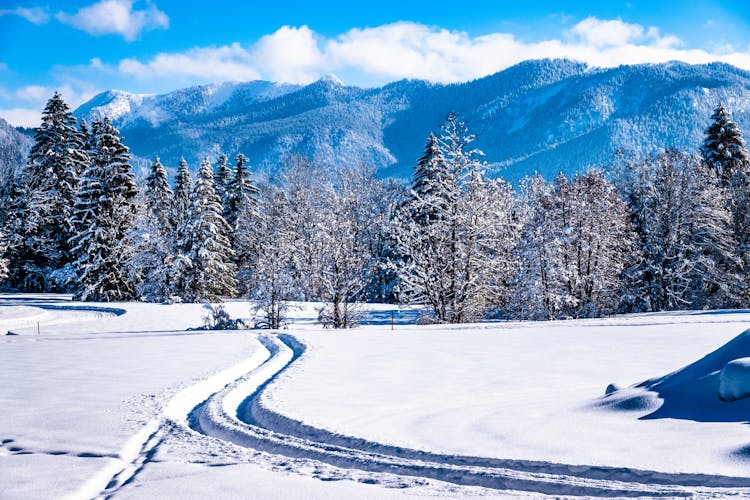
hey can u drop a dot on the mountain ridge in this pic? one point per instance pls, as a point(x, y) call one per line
point(545, 116)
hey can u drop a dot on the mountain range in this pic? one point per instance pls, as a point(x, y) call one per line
point(540, 116)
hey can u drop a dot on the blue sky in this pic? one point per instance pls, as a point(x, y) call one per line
point(84, 47)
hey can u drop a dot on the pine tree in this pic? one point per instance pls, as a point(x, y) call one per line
point(44, 199)
point(103, 217)
point(724, 151)
point(443, 259)
point(240, 193)
point(159, 197)
point(430, 176)
point(181, 200)
point(153, 238)
point(208, 272)
point(223, 177)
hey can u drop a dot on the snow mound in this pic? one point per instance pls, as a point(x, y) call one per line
point(630, 399)
point(712, 389)
point(734, 380)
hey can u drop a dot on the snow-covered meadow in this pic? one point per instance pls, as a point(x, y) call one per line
point(119, 399)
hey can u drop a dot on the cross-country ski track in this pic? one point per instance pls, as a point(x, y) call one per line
point(228, 406)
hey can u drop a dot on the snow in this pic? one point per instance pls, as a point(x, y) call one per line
point(113, 404)
point(734, 380)
point(529, 391)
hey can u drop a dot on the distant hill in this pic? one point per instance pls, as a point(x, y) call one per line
point(545, 116)
point(14, 149)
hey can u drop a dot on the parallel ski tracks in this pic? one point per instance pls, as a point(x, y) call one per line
point(229, 407)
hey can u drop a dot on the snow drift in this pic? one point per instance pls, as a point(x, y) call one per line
point(712, 389)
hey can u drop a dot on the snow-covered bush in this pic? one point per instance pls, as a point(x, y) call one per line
point(217, 318)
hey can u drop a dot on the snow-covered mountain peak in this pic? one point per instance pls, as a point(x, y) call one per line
point(545, 115)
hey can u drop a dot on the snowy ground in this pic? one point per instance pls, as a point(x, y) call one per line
point(119, 400)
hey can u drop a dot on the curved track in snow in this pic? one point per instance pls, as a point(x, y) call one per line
point(237, 414)
point(19, 317)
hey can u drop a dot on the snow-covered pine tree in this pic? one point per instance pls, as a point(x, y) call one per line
point(421, 231)
point(181, 200)
point(153, 238)
point(44, 199)
point(222, 176)
point(686, 242)
point(208, 272)
point(430, 176)
point(723, 148)
point(240, 195)
point(725, 152)
point(159, 196)
point(440, 257)
point(103, 217)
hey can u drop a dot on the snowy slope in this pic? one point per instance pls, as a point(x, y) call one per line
point(544, 116)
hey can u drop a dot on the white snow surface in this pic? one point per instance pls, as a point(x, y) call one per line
point(98, 401)
point(734, 380)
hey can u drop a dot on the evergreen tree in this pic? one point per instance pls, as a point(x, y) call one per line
point(725, 152)
point(430, 176)
point(103, 217)
point(724, 149)
point(445, 233)
point(153, 238)
point(43, 201)
point(159, 197)
point(223, 177)
point(240, 193)
point(181, 200)
point(208, 272)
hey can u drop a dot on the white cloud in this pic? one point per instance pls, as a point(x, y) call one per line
point(366, 57)
point(289, 55)
point(34, 15)
point(34, 93)
point(29, 101)
point(607, 33)
point(376, 55)
point(116, 17)
point(230, 62)
point(22, 117)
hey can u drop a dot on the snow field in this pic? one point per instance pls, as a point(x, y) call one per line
point(526, 391)
point(105, 407)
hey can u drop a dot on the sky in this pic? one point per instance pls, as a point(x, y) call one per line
point(81, 48)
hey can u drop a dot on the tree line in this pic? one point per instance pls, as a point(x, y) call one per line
point(667, 232)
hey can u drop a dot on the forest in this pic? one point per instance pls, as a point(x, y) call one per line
point(666, 232)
